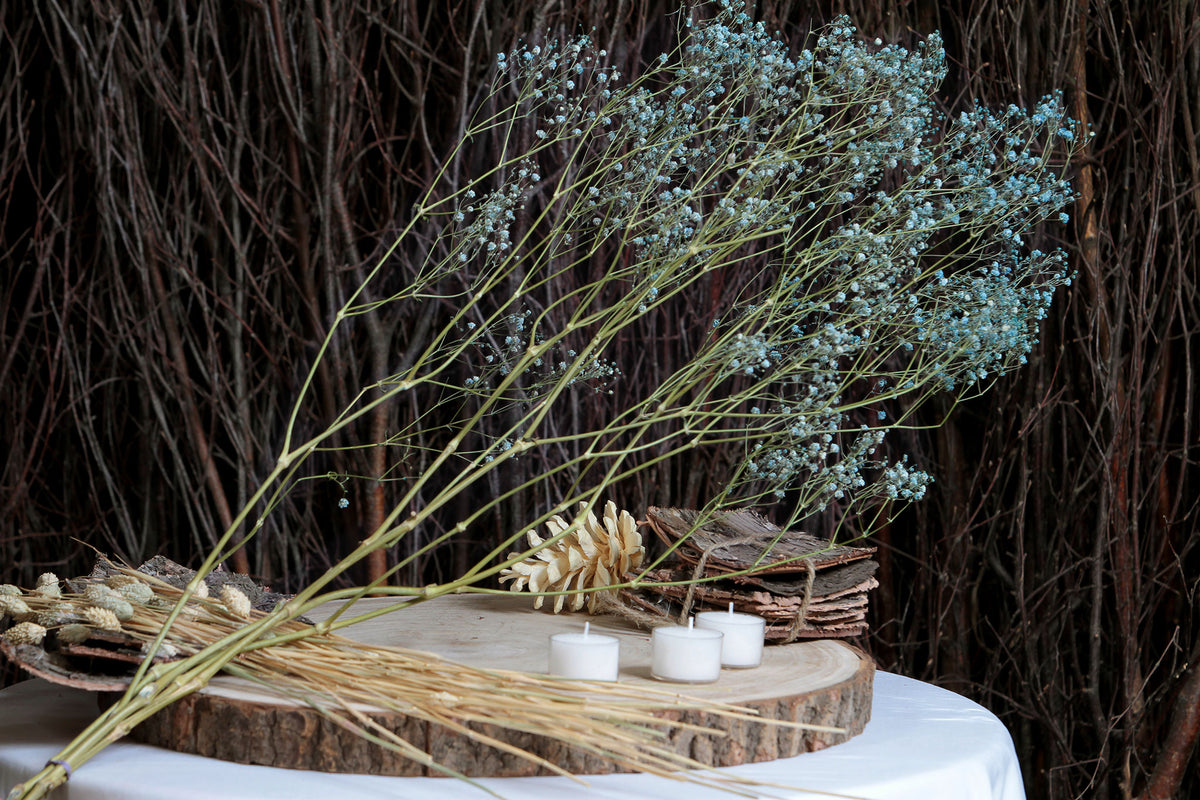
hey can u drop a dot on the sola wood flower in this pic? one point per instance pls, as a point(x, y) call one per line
point(592, 555)
point(102, 618)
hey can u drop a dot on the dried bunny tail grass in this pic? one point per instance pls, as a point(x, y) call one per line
point(15, 607)
point(74, 633)
point(58, 616)
point(236, 601)
point(141, 588)
point(136, 593)
point(102, 618)
point(47, 585)
point(121, 608)
point(166, 649)
point(25, 633)
point(95, 591)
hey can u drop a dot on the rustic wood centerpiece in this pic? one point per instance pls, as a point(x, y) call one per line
point(822, 682)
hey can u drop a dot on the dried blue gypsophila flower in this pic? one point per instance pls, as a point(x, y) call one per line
point(895, 243)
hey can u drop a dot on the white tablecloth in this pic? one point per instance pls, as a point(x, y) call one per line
point(922, 743)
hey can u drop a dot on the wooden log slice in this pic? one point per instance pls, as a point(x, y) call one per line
point(820, 682)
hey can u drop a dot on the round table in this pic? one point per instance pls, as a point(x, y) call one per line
point(922, 743)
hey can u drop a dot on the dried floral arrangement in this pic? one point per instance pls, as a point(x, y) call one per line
point(124, 617)
point(897, 270)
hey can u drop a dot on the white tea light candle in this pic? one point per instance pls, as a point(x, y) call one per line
point(686, 655)
point(742, 646)
point(585, 656)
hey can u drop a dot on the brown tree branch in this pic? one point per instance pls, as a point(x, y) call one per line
point(1182, 732)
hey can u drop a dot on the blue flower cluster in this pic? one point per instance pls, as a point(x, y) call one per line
point(894, 242)
point(503, 344)
point(925, 265)
point(902, 483)
point(751, 354)
point(985, 321)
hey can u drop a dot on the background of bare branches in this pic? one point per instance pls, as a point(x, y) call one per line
point(187, 190)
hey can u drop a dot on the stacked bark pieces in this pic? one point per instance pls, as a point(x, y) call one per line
point(804, 586)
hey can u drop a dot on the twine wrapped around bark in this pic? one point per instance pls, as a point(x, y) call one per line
point(698, 572)
point(799, 622)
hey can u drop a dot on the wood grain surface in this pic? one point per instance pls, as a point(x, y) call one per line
point(822, 682)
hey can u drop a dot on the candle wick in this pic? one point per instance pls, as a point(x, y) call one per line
point(586, 627)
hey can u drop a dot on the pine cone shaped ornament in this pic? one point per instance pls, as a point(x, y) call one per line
point(592, 555)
